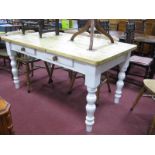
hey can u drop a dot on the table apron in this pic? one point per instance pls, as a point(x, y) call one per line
point(66, 62)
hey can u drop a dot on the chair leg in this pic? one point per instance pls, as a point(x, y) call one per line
point(51, 74)
point(146, 72)
point(108, 84)
point(74, 74)
point(28, 77)
point(4, 61)
point(19, 64)
point(128, 69)
point(138, 98)
point(70, 74)
point(48, 71)
point(32, 66)
point(152, 127)
point(98, 95)
point(10, 68)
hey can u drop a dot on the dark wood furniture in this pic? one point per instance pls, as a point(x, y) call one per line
point(122, 25)
point(137, 60)
point(104, 79)
point(148, 39)
point(40, 25)
point(141, 59)
point(146, 61)
point(139, 26)
point(4, 56)
point(30, 68)
point(6, 125)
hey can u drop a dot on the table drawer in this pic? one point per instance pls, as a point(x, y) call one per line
point(24, 50)
point(15, 47)
point(59, 60)
point(52, 58)
point(55, 59)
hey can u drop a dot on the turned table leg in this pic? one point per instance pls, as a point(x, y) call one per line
point(92, 81)
point(121, 77)
point(90, 108)
point(12, 55)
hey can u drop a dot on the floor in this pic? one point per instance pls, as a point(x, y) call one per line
point(48, 109)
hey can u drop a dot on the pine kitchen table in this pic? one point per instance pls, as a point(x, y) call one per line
point(74, 55)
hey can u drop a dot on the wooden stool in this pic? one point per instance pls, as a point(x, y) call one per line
point(6, 126)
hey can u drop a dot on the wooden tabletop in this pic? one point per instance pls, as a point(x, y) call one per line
point(77, 50)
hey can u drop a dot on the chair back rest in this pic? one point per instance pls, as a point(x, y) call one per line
point(105, 25)
point(81, 23)
point(139, 26)
point(130, 32)
point(113, 24)
point(149, 28)
point(122, 26)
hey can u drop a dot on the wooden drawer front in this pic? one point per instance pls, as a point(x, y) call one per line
point(24, 50)
point(58, 60)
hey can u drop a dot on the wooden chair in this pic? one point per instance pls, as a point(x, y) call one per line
point(28, 62)
point(74, 76)
point(149, 85)
point(40, 25)
point(104, 79)
point(113, 24)
point(30, 68)
point(137, 60)
point(122, 25)
point(5, 57)
point(139, 26)
point(106, 25)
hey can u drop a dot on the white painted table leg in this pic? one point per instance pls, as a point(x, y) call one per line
point(14, 70)
point(90, 108)
point(92, 80)
point(120, 82)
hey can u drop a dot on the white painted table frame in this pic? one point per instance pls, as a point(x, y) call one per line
point(92, 73)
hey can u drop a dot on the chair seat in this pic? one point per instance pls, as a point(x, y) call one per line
point(150, 85)
point(141, 60)
point(27, 59)
point(3, 53)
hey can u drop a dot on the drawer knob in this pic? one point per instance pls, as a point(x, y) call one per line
point(55, 58)
point(22, 49)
